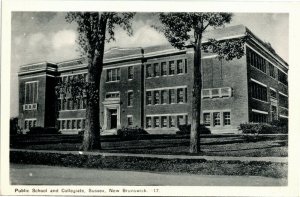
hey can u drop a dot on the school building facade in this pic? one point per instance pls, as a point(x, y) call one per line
point(151, 88)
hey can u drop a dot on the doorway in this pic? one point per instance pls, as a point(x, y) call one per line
point(113, 118)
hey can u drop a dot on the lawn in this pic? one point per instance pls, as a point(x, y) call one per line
point(220, 146)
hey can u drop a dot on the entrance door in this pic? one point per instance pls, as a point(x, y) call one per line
point(113, 119)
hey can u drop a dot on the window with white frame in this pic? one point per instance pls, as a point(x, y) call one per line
point(156, 70)
point(129, 121)
point(164, 69)
point(180, 120)
point(28, 123)
point(164, 121)
point(71, 124)
point(148, 122)
point(172, 96)
point(216, 92)
point(31, 95)
point(113, 75)
point(272, 70)
point(156, 97)
point(111, 95)
point(164, 97)
point(148, 70)
point(148, 98)
point(256, 60)
point(180, 95)
point(31, 92)
point(282, 77)
point(259, 117)
point(206, 119)
point(226, 118)
point(172, 121)
point(283, 101)
point(258, 91)
point(79, 124)
point(180, 67)
point(156, 121)
point(171, 68)
point(216, 118)
point(130, 99)
point(130, 72)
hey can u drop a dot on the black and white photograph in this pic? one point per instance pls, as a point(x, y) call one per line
point(131, 102)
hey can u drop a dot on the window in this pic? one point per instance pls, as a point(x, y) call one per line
point(129, 121)
point(216, 92)
point(258, 117)
point(226, 92)
point(164, 98)
point(79, 124)
point(63, 124)
point(156, 121)
point(180, 120)
point(148, 70)
point(148, 122)
point(283, 101)
point(172, 96)
point(113, 75)
point(180, 95)
point(164, 121)
point(156, 70)
point(78, 103)
point(68, 124)
point(112, 95)
point(164, 69)
point(274, 112)
point(256, 60)
point(28, 123)
point(282, 77)
point(148, 98)
point(180, 67)
point(272, 70)
point(73, 124)
point(171, 68)
point(273, 94)
point(258, 91)
point(217, 119)
point(172, 121)
point(226, 118)
point(206, 93)
point(206, 119)
point(84, 102)
point(156, 97)
point(59, 104)
point(83, 123)
point(130, 72)
point(31, 92)
point(130, 99)
point(69, 104)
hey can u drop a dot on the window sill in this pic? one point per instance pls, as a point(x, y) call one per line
point(71, 110)
point(112, 81)
point(260, 100)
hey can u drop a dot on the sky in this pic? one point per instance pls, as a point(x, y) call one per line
point(46, 36)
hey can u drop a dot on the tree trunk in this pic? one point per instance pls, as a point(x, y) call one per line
point(91, 139)
point(196, 98)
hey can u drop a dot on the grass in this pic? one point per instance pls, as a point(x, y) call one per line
point(195, 166)
point(229, 146)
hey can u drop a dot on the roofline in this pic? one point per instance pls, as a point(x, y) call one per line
point(171, 51)
point(260, 43)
